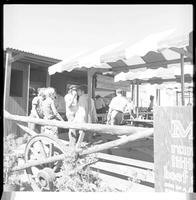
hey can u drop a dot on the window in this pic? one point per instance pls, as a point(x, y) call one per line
point(16, 83)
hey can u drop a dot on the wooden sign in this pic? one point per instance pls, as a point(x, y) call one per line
point(106, 82)
point(173, 149)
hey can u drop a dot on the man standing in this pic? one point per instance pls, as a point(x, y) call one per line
point(71, 102)
point(117, 107)
point(86, 113)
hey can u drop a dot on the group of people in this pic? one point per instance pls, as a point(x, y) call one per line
point(80, 108)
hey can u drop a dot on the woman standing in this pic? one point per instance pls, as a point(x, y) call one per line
point(36, 111)
point(50, 112)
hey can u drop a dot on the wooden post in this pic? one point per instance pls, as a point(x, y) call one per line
point(93, 86)
point(48, 79)
point(133, 92)
point(137, 99)
point(157, 96)
point(182, 78)
point(7, 77)
point(90, 82)
point(28, 85)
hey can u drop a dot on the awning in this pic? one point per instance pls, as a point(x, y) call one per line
point(168, 85)
point(144, 74)
point(91, 60)
point(154, 51)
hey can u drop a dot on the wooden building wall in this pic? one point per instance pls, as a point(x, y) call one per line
point(14, 104)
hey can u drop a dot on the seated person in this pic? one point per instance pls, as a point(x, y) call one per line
point(151, 105)
point(99, 104)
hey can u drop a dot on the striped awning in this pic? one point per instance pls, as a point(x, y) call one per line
point(145, 74)
point(156, 50)
point(168, 85)
point(91, 60)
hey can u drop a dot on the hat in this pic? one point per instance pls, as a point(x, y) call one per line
point(71, 87)
point(97, 96)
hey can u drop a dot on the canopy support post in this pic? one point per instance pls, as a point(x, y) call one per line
point(159, 97)
point(90, 82)
point(133, 92)
point(48, 79)
point(137, 113)
point(182, 78)
point(28, 86)
point(176, 98)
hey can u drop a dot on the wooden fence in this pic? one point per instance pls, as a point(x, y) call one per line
point(130, 134)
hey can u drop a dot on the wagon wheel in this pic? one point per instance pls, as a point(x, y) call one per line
point(40, 147)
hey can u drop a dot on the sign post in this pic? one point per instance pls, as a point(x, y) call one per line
point(173, 149)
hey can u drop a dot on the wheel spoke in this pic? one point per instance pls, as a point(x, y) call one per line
point(42, 149)
point(51, 153)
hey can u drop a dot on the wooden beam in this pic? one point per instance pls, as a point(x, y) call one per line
point(7, 78)
point(182, 78)
point(109, 145)
point(16, 57)
point(39, 162)
point(96, 128)
point(126, 161)
point(27, 130)
point(143, 175)
point(160, 63)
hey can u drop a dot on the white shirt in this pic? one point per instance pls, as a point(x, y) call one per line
point(73, 108)
point(119, 103)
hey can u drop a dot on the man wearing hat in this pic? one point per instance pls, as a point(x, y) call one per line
point(117, 108)
point(86, 113)
point(71, 102)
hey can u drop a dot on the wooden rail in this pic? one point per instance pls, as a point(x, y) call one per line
point(94, 128)
point(82, 152)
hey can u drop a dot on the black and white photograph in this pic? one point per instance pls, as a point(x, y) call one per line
point(98, 99)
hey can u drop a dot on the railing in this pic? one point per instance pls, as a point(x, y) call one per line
point(130, 134)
